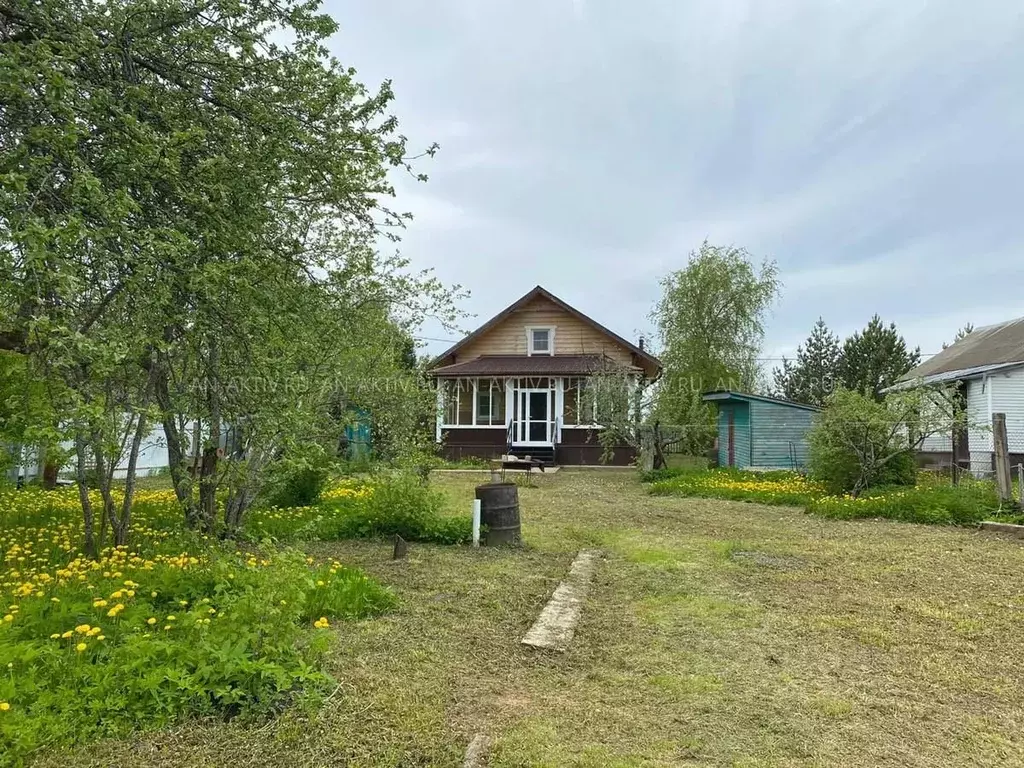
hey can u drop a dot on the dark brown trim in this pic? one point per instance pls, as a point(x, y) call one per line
point(540, 292)
point(591, 455)
point(481, 443)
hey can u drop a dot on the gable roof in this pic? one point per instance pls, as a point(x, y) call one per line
point(722, 395)
point(982, 350)
point(540, 292)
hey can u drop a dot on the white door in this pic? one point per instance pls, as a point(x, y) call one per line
point(533, 426)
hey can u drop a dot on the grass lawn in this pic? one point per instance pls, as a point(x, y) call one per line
point(716, 633)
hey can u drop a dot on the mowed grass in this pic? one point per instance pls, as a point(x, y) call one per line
point(716, 634)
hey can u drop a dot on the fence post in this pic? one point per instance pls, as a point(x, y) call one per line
point(1002, 457)
point(1020, 484)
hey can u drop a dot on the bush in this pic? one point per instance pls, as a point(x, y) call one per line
point(966, 504)
point(173, 626)
point(299, 479)
point(852, 440)
point(384, 506)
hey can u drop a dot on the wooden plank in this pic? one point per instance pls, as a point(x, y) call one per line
point(477, 752)
point(1010, 528)
point(556, 625)
point(1002, 457)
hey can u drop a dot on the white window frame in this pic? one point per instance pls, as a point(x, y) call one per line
point(461, 392)
point(592, 407)
point(551, 339)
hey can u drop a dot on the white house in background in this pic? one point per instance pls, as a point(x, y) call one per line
point(988, 367)
point(152, 458)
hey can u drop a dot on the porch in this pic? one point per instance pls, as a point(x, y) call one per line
point(548, 418)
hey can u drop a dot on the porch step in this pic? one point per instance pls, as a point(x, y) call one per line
point(544, 454)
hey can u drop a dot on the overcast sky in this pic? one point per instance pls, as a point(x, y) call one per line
point(873, 148)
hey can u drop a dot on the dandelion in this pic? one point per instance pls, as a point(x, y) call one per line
point(82, 629)
point(67, 634)
point(101, 637)
point(321, 623)
point(172, 617)
point(167, 627)
point(99, 604)
point(151, 620)
point(81, 647)
point(4, 706)
point(55, 636)
point(9, 618)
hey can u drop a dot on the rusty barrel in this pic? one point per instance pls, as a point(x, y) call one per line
point(499, 511)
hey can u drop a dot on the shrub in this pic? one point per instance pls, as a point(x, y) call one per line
point(383, 506)
point(966, 504)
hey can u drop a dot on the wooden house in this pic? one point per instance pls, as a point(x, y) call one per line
point(518, 384)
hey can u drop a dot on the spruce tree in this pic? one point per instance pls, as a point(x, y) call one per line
point(812, 376)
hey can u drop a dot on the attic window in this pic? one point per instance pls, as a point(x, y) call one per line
point(541, 341)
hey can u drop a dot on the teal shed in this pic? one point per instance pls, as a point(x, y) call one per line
point(762, 432)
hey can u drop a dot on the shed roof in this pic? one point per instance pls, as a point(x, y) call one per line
point(982, 350)
point(725, 395)
point(533, 365)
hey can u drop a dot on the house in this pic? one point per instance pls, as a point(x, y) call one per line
point(761, 432)
point(518, 384)
point(987, 368)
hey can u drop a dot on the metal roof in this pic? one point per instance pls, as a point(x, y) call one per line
point(719, 395)
point(980, 351)
point(532, 365)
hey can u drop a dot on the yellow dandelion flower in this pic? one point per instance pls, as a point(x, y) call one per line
point(67, 634)
point(151, 620)
point(81, 647)
point(4, 706)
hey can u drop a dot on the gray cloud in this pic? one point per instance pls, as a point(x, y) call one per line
point(872, 148)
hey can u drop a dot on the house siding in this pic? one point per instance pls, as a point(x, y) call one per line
point(779, 435)
point(1008, 398)
point(572, 335)
point(979, 419)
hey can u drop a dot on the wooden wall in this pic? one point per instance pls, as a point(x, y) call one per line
point(572, 335)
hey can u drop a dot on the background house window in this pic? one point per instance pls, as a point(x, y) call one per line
point(541, 341)
point(490, 402)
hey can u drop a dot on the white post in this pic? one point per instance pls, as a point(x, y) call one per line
point(476, 522)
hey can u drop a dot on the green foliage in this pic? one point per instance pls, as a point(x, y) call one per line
point(666, 473)
point(776, 487)
point(174, 626)
point(966, 504)
point(813, 375)
point(875, 358)
point(858, 442)
point(298, 479)
point(384, 505)
point(933, 501)
point(191, 203)
point(710, 320)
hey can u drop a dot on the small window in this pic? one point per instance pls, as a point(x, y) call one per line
point(541, 340)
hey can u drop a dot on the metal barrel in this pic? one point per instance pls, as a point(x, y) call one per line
point(499, 511)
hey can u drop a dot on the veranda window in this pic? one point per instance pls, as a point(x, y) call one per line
point(490, 402)
point(474, 402)
point(578, 404)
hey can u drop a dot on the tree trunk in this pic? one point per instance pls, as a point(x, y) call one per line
point(659, 454)
point(180, 478)
point(124, 524)
point(89, 543)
